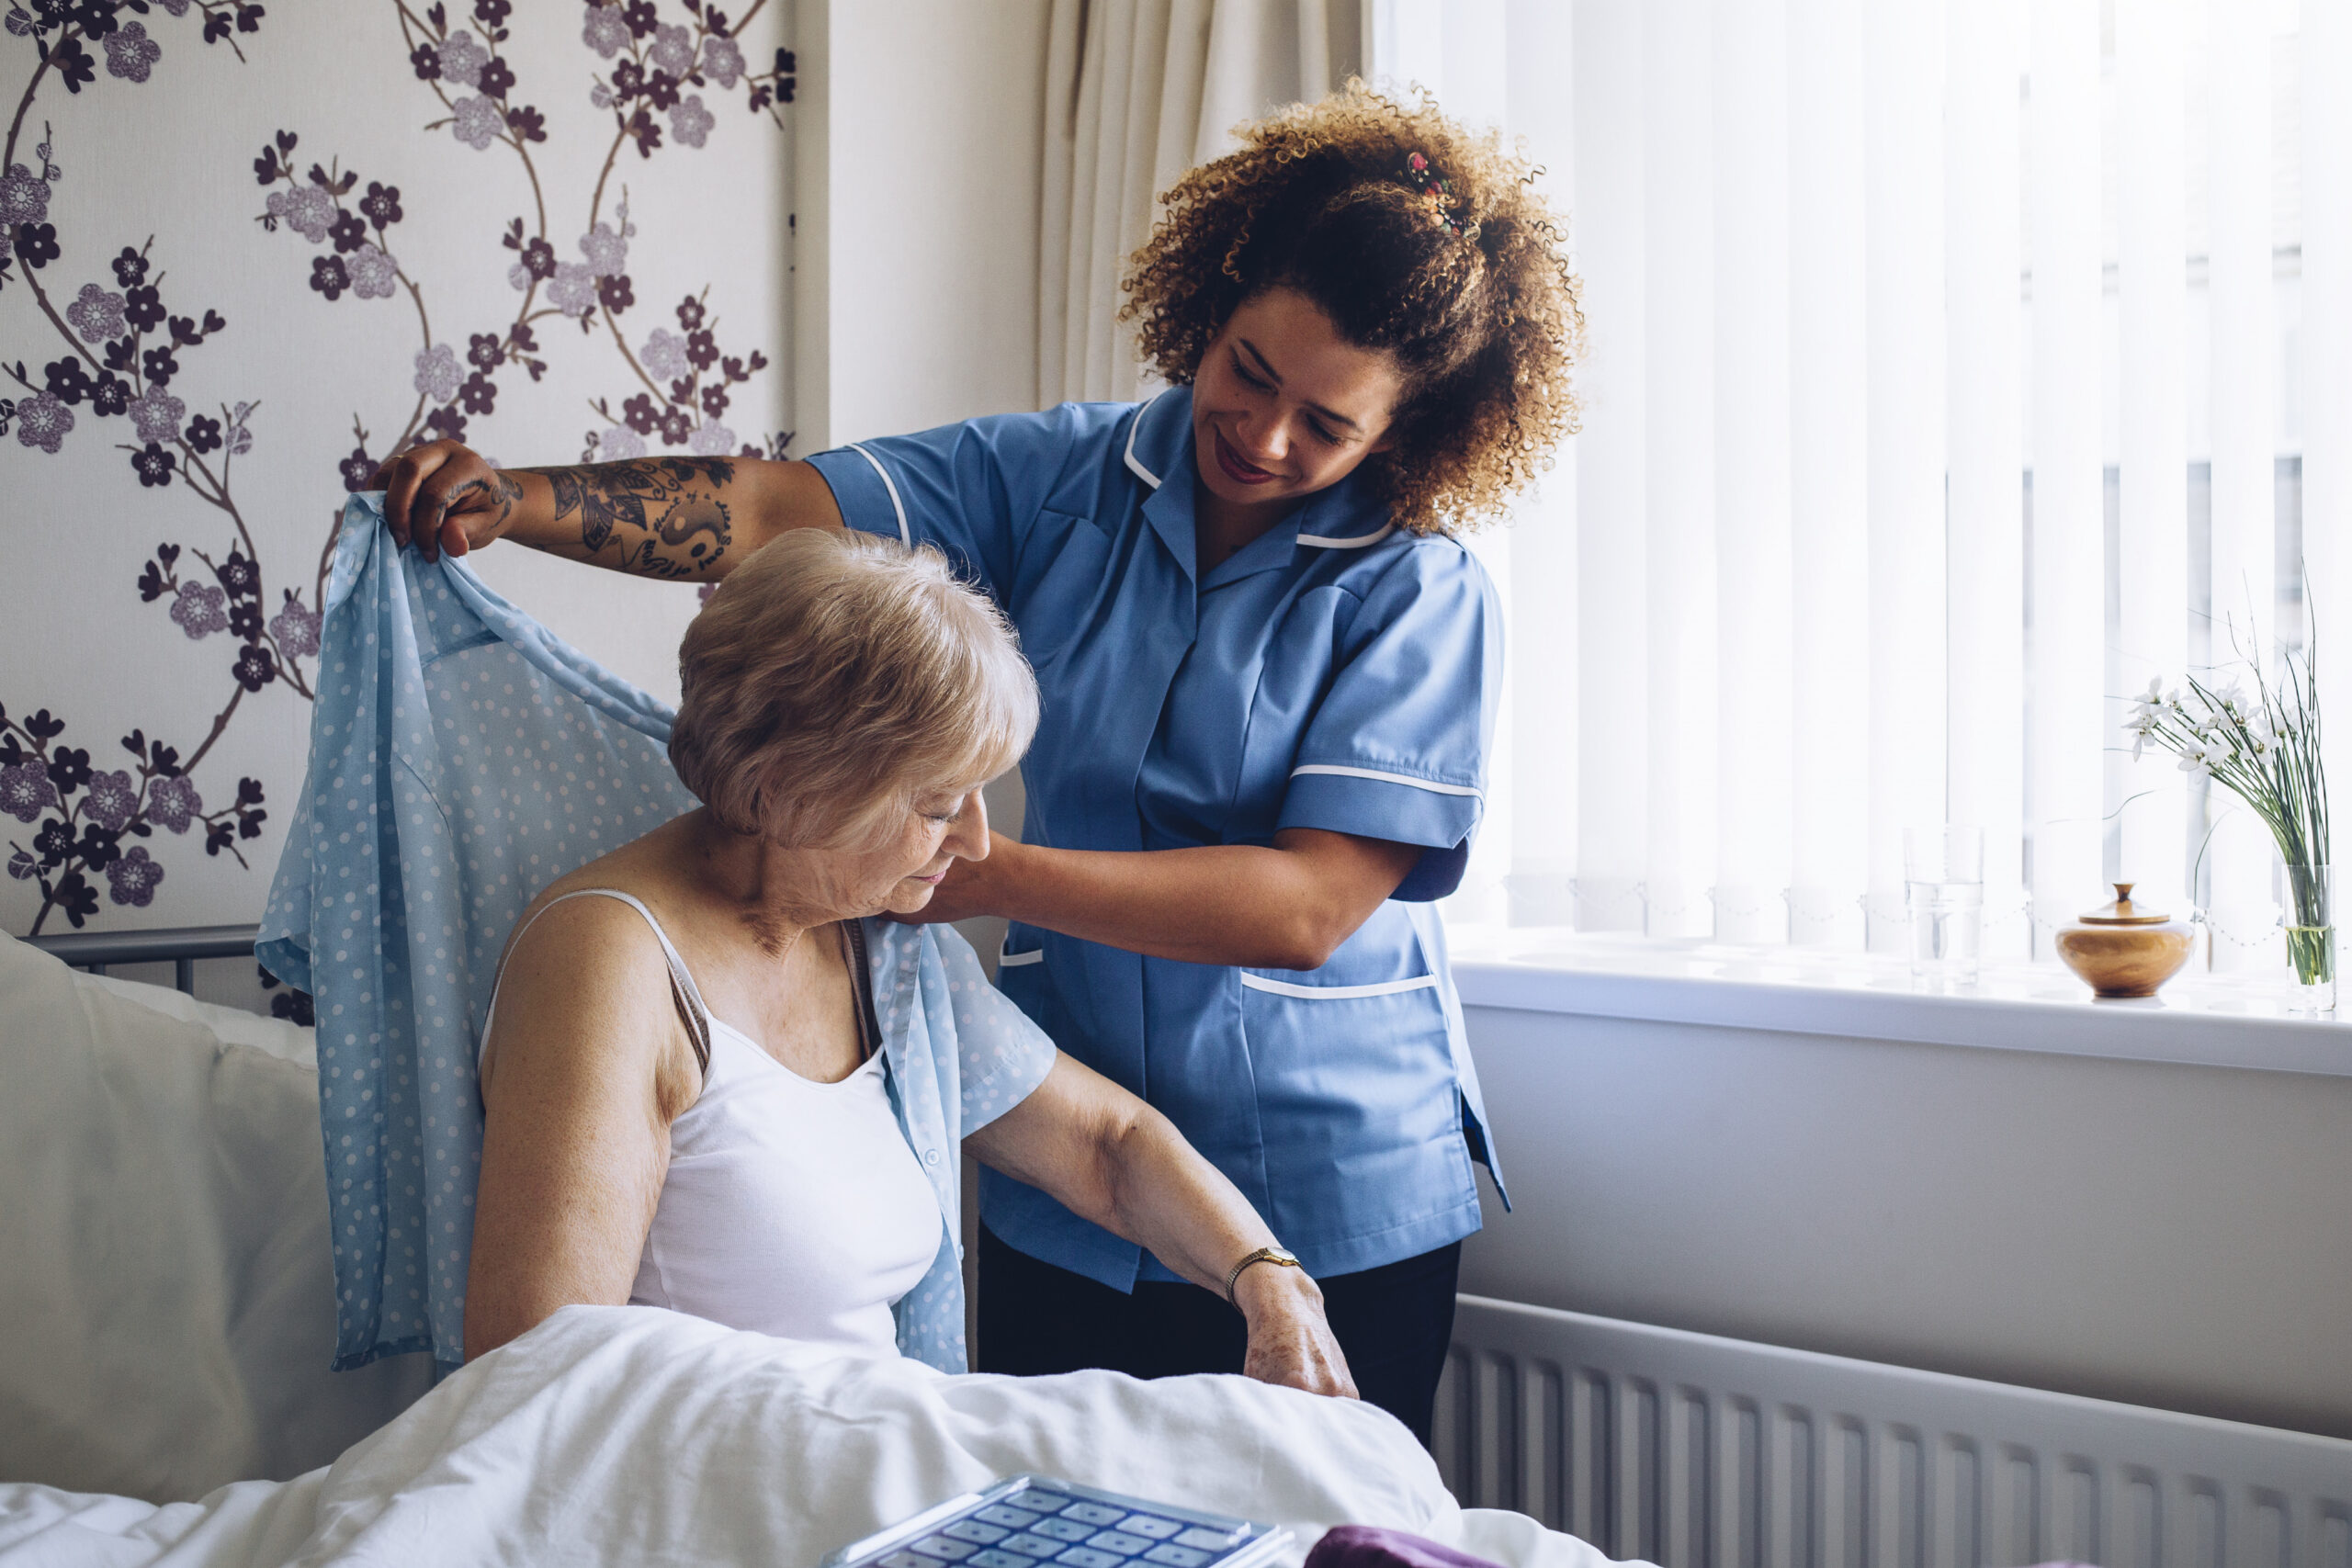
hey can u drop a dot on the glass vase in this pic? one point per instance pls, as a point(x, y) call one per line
point(2307, 908)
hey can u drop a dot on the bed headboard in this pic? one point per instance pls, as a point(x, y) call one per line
point(180, 946)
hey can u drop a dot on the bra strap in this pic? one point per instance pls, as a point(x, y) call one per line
point(683, 991)
point(861, 985)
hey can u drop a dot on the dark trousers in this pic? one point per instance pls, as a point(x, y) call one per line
point(1393, 1323)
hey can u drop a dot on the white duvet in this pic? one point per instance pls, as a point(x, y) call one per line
point(629, 1436)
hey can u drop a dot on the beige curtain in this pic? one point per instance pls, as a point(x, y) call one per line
point(1139, 91)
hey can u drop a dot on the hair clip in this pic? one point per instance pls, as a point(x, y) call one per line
point(1440, 192)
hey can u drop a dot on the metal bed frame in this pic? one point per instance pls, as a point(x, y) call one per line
point(180, 946)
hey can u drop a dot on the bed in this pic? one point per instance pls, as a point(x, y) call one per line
point(166, 1291)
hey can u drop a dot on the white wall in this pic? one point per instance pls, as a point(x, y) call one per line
point(919, 249)
point(2162, 1235)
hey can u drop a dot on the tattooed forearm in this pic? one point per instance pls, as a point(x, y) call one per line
point(504, 487)
point(661, 516)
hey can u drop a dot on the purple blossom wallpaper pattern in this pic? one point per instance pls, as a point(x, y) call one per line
point(103, 354)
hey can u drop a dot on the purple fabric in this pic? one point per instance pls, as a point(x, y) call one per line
point(1363, 1546)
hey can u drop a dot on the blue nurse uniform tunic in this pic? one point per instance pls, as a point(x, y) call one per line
point(1336, 673)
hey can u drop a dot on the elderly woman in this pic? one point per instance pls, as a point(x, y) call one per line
point(688, 1104)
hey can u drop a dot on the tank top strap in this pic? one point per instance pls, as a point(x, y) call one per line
point(682, 981)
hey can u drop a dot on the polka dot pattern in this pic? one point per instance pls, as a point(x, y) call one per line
point(461, 759)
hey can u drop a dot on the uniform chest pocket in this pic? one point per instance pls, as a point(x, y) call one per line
point(1060, 584)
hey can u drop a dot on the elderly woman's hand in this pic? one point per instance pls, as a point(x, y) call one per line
point(1291, 1342)
point(1114, 1160)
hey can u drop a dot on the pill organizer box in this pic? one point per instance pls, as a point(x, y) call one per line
point(1036, 1521)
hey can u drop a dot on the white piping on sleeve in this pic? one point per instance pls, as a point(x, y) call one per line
point(1354, 542)
point(1384, 778)
point(1336, 993)
point(1015, 960)
point(906, 535)
point(1133, 464)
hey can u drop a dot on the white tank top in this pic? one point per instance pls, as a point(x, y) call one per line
point(791, 1207)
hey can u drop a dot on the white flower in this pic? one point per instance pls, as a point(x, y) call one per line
point(462, 57)
point(606, 250)
point(306, 208)
point(574, 290)
point(664, 354)
point(722, 60)
point(713, 440)
point(373, 272)
point(690, 122)
point(476, 121)
point(437, 372)
point(619, 444)
point(156, 414)
point(2194, 763)
point(672, 51)
point(605, 32)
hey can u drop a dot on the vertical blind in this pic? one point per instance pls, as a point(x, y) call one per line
point(1957, 369)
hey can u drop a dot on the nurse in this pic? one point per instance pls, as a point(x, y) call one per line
point(1268, 672)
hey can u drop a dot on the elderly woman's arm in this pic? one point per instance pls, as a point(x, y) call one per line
point(1112, 1159)
point(587, 1064)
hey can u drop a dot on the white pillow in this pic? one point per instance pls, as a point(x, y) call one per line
point(166, 1299)
point(231, 1026)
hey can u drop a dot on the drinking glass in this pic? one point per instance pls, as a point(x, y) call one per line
point(1943, 871)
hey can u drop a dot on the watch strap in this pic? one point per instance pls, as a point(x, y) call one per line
point(1263, 1255)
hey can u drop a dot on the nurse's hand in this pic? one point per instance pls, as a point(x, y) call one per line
point(1291, 1342)
point(972, 887)
point(446, 500)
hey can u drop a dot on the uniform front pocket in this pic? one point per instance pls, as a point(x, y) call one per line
point(1254, 981)
point(1357, 1096)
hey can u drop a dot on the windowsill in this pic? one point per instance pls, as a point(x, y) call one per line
point(2210, 1020)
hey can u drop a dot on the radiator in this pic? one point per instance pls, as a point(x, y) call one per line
point(1699, 1452)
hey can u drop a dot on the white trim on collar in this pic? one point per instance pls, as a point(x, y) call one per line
point(1336, 993)
point(906, 535)
point(1356, 542)
point(1384, 778)
point(1135, 466)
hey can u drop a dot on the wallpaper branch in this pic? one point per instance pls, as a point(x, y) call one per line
point(657, 75)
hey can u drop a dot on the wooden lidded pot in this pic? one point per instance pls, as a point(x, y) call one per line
point(2123, 949)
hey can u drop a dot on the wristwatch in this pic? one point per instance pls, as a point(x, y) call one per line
point(1281, 1254)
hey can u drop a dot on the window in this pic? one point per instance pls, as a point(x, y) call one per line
point(1957, 369)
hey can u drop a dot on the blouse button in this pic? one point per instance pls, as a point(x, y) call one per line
point(930, 1157)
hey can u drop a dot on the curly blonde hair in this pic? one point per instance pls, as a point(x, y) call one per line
point(1417, 238)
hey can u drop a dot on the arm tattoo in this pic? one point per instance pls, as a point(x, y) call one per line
point(508, 488)
point(662, 515)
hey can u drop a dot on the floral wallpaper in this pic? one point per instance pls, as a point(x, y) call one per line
point(252, 251)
